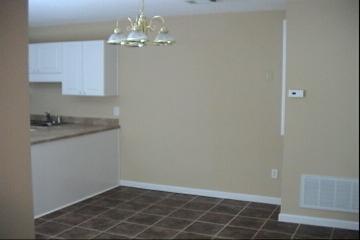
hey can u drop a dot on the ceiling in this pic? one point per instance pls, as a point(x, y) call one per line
point(55, 12)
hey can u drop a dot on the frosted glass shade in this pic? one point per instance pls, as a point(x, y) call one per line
point(164, 38)
point(117, 38)
point(136, 39)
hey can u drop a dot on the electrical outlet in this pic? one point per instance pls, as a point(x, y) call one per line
point(116, 111)
point(274, 173)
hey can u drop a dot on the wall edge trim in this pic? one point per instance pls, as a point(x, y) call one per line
point(201, 192)
point(324, 222)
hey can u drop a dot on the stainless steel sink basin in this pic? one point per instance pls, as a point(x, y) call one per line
point(37, 123)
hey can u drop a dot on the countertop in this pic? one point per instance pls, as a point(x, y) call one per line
point(73, 128)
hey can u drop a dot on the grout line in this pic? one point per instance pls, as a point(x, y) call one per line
point(296, 230)
point(89, 204)
point(332, 233)
point(226, 225)
point(262, 226)
point(196, 219)
point(165, 216)
point(135, 212)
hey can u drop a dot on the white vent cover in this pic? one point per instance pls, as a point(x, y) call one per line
point(329, 193)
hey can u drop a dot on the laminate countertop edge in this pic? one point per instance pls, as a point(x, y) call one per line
point(49, 134)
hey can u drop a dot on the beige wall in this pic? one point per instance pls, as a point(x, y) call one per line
point(322, 130)
point(16, 216)
point(199, 114)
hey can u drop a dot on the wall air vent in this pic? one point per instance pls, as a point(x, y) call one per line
point(329, 193)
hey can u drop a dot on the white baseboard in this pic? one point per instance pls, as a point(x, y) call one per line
point(324, 222)
point(202, 192)
point(80, 200)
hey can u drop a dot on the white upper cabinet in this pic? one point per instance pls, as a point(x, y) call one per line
point(45, 62)
point(90, 69)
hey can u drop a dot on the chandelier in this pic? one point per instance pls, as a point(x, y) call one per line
point(139, 30)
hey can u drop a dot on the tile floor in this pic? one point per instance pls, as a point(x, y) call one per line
point(132, 213)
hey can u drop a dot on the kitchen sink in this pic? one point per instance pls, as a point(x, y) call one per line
point(40, 123)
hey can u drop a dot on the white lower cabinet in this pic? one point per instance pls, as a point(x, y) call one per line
point(70, 170)
point(90, 69)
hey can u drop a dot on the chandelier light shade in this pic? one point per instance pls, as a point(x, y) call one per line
point(139, 30)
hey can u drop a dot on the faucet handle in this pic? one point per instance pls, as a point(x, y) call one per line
point(48, 116)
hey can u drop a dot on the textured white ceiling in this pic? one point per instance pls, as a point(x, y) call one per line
point(57, 12)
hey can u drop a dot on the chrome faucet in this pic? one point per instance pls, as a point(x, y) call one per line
point(48, 117)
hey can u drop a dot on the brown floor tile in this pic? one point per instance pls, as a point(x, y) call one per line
point(157, 233)
point(138, 191)
point(72, 218)
point(99, 223)
point(186, 214)
point(89, 201)
point(158, 193)
point(345, 234)
point(308, 237)
point(314, 231)
point(282, 227)
point(207, 199)
point(173, 223)
point(127, 229)
point(54, 215)
point(234, 202)
point(181, 196)
point(275, 215)
point(204, 228)
point(227, 209)
point(187, 235)
point(106, 202)
point(237, 233)
point(173, 202)
point(117, 214)
point(145, 219)
point(263, 206)
point(145, 199)
point(272, 235)
point(110, 236)
point(123, 196)
point(216, 218)
point(254, 223)
point(51, 228)
point(158, 210)
point(78, 233)
point(254, 212)
point(132, 206)
point(73, 207)
point(200, 206)
point(91, 210)
point(41, 236)
point(39, 221)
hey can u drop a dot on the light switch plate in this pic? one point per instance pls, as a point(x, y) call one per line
point(296, 93)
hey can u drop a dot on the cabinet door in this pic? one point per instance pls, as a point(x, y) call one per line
point(45, 62)
point(93, 68)
point(49, 58)
point(72, 82)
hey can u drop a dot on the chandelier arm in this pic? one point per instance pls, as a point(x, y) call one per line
point(131, 24)
point(152, 26)
point(142, 6)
